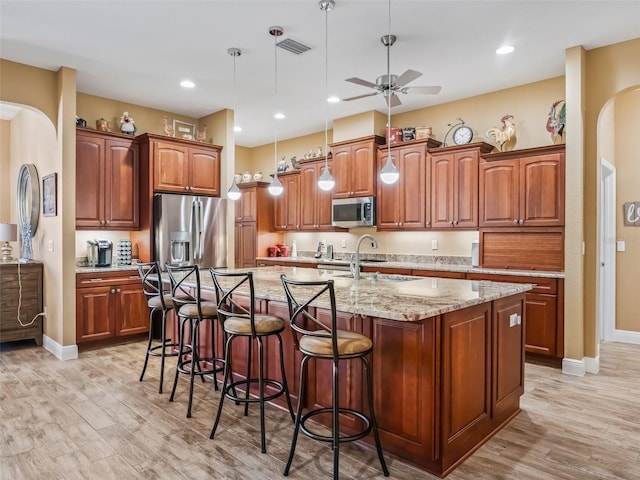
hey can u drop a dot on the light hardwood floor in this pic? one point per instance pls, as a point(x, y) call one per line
point(91, 419)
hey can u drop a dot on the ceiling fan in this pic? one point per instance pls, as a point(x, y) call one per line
point(390, 85)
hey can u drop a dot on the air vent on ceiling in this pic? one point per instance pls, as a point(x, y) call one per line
point(293, 46)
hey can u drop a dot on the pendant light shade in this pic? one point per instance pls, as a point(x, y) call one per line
point(389, 173)
point(234, 192)
point(326, 181)
point(275, 187)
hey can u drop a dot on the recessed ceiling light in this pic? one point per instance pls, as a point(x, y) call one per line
point(333, 99)
point(505, 49)
point(187, 84)
point(279, 116)
point(237, 128)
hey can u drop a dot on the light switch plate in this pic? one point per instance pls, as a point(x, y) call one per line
point(344, 244)
point(620, 246)
point(434, 244)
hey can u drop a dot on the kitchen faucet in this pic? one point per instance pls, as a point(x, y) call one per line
point(354, 266)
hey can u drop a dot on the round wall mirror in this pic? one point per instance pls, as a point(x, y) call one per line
point(28, 197)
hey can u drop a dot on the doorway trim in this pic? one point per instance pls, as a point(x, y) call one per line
point(607, 260)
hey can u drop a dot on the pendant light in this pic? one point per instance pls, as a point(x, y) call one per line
point(234, 192)
point(326, 181)
point(275, 187)
point(389, 173)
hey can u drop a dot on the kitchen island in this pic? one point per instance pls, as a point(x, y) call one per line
point(448, 357)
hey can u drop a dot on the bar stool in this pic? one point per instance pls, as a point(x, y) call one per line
point(242, 322)
point(158, 301)
point(323, 342)
point(192, 312)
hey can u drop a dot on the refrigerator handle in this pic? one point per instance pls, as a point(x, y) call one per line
point(198, 231)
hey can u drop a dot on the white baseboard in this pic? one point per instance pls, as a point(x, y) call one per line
point(573, 367)
point(70, 352)
point(626, 336)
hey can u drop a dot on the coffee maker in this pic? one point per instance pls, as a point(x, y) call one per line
point(99, 253)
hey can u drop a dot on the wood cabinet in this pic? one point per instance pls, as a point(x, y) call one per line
point(253, 224)
point(26, 300)
point(107, 181)
point(287, 205)
point(454, 186)
point(405, 204)
point(544, 327)
point(182, 166)
point(110, 305)
point(315, 203)
point(354, 164)
point(523, 188)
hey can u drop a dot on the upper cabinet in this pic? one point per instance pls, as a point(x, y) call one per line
point(287, 205)
point(405, 205)
point(523, 188)
point(454, 185)
point(354, 165)
point(107, 181)
point(315, 203)
point(183, 166)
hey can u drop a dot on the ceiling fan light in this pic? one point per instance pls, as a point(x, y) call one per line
point(326, 181)
point(389, 173)
point(234, 192)
point(275, 187)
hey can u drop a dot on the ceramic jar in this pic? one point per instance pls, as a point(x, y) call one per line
point(246, 177)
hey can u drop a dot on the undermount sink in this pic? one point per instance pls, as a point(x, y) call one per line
point(372, 277)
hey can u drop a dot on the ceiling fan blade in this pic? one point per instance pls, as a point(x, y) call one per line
point(362, 82)
point(360, 96)
point(395, 100)
point(433, 90)
point(406, 77)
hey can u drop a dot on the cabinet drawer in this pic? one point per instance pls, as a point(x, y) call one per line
point(129, 277)
point(547, 286)
point(439, 274)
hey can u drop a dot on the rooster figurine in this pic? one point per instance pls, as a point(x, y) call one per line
point(556, 121)
point(505, 134)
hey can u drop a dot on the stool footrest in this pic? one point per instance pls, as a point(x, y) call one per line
point(184, 366)
point(342, 438)
point(229, 389)
point(156, 350)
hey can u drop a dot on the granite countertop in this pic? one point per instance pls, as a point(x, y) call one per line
point(395, 297)
point(433, 266)
point(113, 268)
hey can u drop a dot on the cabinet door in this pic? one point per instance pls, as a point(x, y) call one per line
point(132, 313)
point(323, 202)
point(90, 173)
point(308, 194)
point(508, 352)
point(170, 167)
point(245, 245)
point(362, 167)
point(122, 180)
point(246, 205)
point(441, 191)
point(542, 190)
point(204, 172)
point(94, 314)
point(499, 193)
point(411, 164)
point(342, 171)
point(540, 326)
point(388, 202)
point(465, 190)
point(291, 201)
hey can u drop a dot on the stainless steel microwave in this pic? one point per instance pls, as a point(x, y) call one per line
point(353, 212)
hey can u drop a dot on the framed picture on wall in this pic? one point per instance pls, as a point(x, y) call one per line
point(184, 130)
point(50, 195)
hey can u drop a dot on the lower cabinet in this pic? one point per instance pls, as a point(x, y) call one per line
point(109, 305)
point(21, 291)
point(544, 327)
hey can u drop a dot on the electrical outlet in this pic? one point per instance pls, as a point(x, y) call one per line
point(434, 244)
point(344, 244)
point(50, 246)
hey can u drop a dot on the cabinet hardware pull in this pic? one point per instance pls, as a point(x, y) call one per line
point(521, 221)
point(113, 290)
point(118, 290)
point(515, 221)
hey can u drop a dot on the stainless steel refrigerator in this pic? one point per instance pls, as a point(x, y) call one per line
point(190, 229)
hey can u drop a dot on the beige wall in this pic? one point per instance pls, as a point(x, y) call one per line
point(5, 180)
point(609, 70)
point(627, 162)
